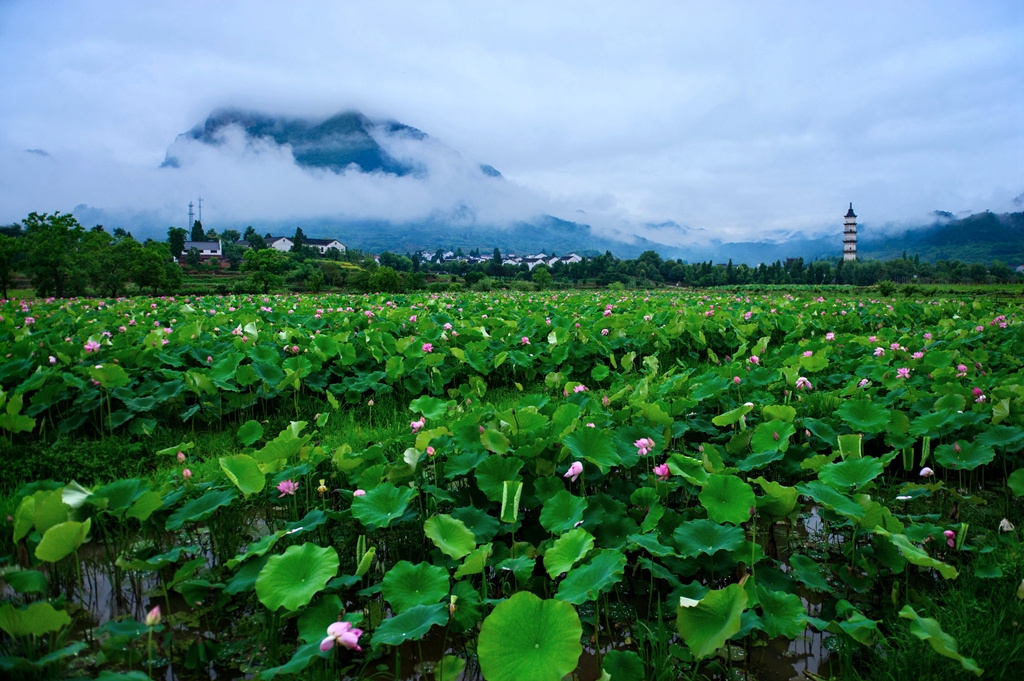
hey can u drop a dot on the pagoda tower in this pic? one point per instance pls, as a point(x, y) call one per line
point(850, 235)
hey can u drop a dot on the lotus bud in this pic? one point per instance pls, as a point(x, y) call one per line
point(956, 447)
point(153, 617)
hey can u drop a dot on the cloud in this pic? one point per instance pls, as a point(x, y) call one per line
point(736, 120)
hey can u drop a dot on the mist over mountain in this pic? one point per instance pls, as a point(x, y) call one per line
point(379, 184)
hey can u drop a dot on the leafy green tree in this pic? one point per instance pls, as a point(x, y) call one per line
point(541, 277)
point(197, 231)
point(384, 280)
point(110, 260)
point(154, 268)
point(264, 268)
point(176, 237)
point(298, 241)
point(11, 249)
point(230, 236)
point(257, 243)
point(54, 257)
point(193, 258)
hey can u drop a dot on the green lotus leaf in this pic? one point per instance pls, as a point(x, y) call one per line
point(851, 474)
point(406, 585)
point(931, 424)
point(475, 562)
point(727, 499)
point(118, 495)
point(851, 445)
point(864, 416)
point(567, 550)
point(25, 581)
point(495, 441)
point(382, 505)
point(952, 401)
point(200, 509)
point(830, 498)
point(35, 620)
point(529, 639)
point(483, 526)
point(450, 535)
point(917, 556)
point(411, 624)
point(782, 614)
point(431, 407)
point(623, 665)
point(61, 540)
point(109, 376)
point(707, 624)
point(597, 575)
point(732, 416)
point(593, 445)
point(778, 500)
point(450, 668)
point(760, 460)
point(521, 566)
point(315, 619)
point(706, 536)
point(492, 473)
point(970, 456)
point(928, 629)
point(780, 412)
point(688, 468)
point(1016, 482)
point(772, 436)
point(1000, 436)
point(562, 511)
point(808, 572)
point(468, 606)
point(851, 623)
point(243, 470)
point(303, 657)
point(50, 509)
point(650, 544)
point(249, 432)
point(291, 579)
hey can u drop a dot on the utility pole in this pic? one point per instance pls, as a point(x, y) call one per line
point(201, 208)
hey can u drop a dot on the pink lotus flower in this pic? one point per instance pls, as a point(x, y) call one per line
point(430, 451)
point(926, 472)
point(287, 487)
point(412, 319)
point(830, 336)
point(525, 340)
point(181, 457)
point(808, 353)
point(341, 633)
point(574, 471)
point(427, 347)
point(961, 370)
point(863, 383)
point(359, 493)
point(803, 384)
point(186, 474)
point(661, 470)
point(950, 537)
point(978, 392)
point(736, 379)
point(580, 388)
point(644, 445)
point(607, 313)
point(879, 352)
point(29, 321)
point(92, 346)
point(604, 332)
point(153, 617)
point(53, 360)
point(416, 425)
point(903, 372)
point(917, 355)
point(754, 359)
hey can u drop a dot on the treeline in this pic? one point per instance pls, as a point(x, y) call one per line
point(62, 258)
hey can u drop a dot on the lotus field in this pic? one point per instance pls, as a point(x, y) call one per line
point(518, 487)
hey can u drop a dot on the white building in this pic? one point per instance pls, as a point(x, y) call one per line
point(850, 235)
point(323, 244)
point(207, 249)
point(280, 243)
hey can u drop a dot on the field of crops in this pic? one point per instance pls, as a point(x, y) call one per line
point(607, 484)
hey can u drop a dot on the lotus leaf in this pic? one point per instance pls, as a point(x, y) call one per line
point(567, 550)
point(529, 639)
point(406, 585)
point(970, 455)
point(707, 624)
point(562, 511)
point(450, 535)
point(782, 614)
point(381, 506)
point(494, 471)
point(592, 578)
point(37, 619)
point(928, 629)
point(290, 580)
point(244, 472)
point(200, 509)
point(594, 446)
point(851, 474)
point(61, 540)
point(409, 625)
point(864, 416)
point(727, 499)
point(706, 536)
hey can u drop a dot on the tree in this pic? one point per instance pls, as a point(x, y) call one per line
point(54, 258)
point(154, 268)
point(496, 262)
point(541, 277)
point(230, 236)
point(11, 249)
point(298, 241)
point(257, 243)
point(193, 258)
point(197, 231)
point(384, 280)
point(264, 268)
point(176, 238)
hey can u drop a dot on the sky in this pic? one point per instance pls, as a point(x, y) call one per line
point(730, 120)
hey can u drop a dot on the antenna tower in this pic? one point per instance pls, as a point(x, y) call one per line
point(201, 209)
point(191, 216)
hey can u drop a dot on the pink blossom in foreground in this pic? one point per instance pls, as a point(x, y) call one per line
point(574, 471)
point(736, 379)
point(879, 352)
point(341, 633)
point(359, 493)
point(754, 359)
point(53, 360)
point(661, 470)
point(186, 474)
point(926, 472)
point(525, 341)
point(580, 388)
point(153, 617)
point(961, 370)
point(903, 372)
point(803, 383)
point(808, 353)
point(830, 336)
point(181, 457)
point(604, 332)
point(287, 487)
point(427, 347)
point(863, 383)
point(416, 425)
point(92, 346)
point(950, 537)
